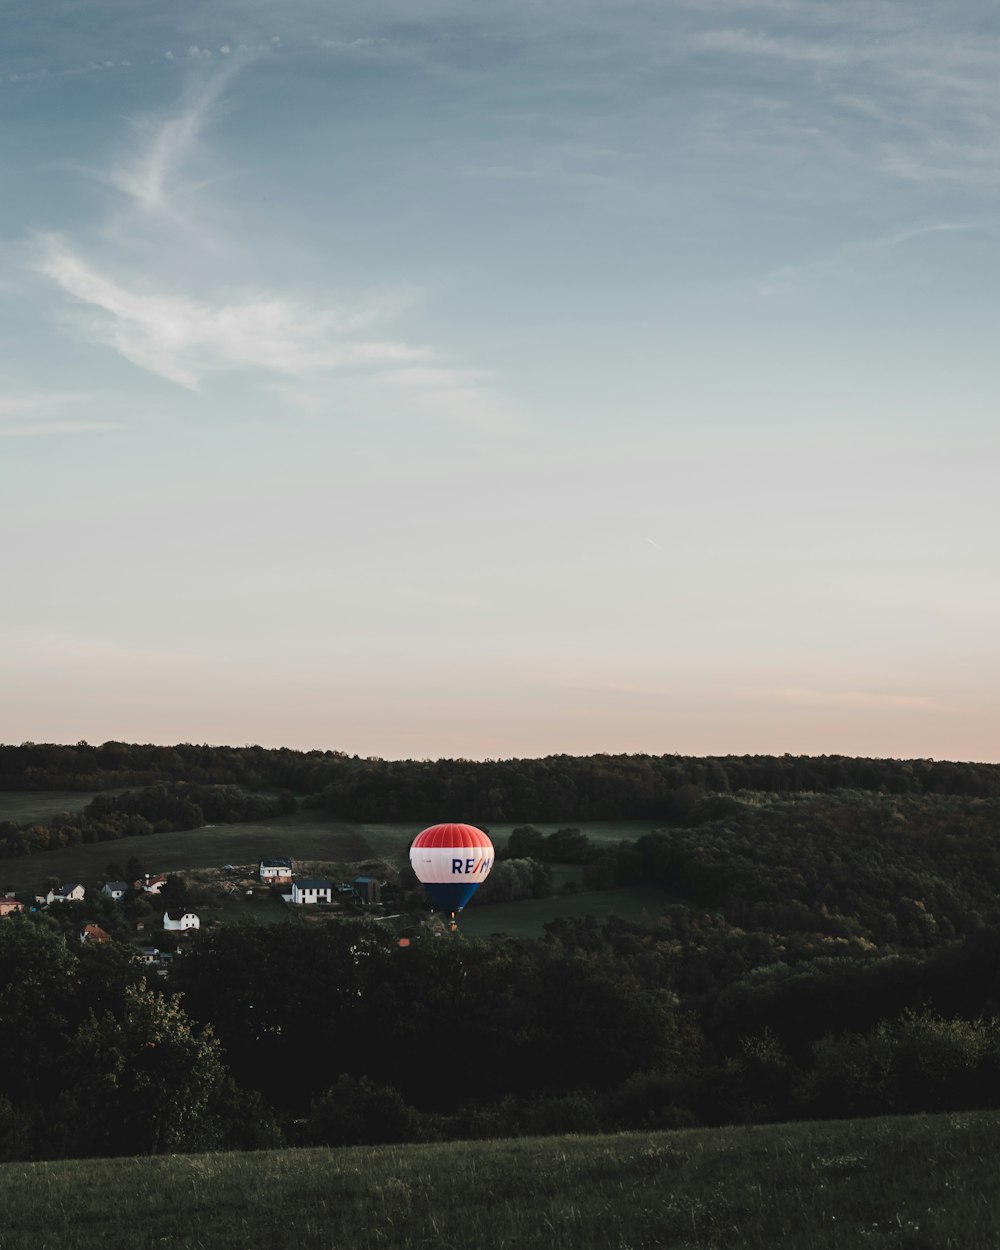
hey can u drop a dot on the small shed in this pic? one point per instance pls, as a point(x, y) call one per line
point(368, 889)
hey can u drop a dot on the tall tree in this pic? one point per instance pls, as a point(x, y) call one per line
point(140, 1081)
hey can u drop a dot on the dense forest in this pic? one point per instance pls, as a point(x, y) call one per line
point(594, 787)
point(334, 1034)
point(831, 947)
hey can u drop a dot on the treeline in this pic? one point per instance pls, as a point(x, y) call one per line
point(556, 788)
point(334, 1034)
point(159, 808)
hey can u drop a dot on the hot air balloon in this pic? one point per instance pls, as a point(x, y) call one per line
point(451, 862)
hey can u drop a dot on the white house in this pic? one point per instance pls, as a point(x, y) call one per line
point(276, 871)
point(151, 885)
point(312, 890)
point(69, 892)
point(180, 918)
point(114, 889)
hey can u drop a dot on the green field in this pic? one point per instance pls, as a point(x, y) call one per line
point(603, 832)
point(920, 1183)
point(305, 835)
point(36, 804)
point(528, 917)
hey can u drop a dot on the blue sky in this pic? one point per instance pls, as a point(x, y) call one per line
point(437, 379)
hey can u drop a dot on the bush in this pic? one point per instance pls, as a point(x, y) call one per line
point(549, 1115)
point(917, 1062)
point(358, 1112)
point(649, 1100)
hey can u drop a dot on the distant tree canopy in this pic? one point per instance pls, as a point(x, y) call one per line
point(559, 787)
point(565, 846)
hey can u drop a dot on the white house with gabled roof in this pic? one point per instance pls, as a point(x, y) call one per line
point(312, 890)
point(68, 892)
point(180, 918)
point(276, 871)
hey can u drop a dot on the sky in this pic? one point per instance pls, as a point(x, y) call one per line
point(416, 378)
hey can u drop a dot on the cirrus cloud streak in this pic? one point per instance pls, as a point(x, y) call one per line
point(184, 339)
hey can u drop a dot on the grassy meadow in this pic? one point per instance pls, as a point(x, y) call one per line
point(386, 839)
point(304, 835)
point(915, 1183)
point(528, 917)
point(37, 804)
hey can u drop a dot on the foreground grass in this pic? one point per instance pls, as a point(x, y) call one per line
point(924, 1183)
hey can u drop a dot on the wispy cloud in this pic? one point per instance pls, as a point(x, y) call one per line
point(751, 43)
point(122, 296)
point(148, 177)
point(184, 339)
point(896, 91)
point(851, 255)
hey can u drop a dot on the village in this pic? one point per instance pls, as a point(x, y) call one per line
point(159, 913)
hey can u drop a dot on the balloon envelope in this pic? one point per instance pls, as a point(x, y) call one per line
point(451, 862)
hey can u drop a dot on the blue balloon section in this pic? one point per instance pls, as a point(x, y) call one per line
point(451, 897)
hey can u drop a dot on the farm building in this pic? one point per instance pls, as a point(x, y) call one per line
point(276, 871)
point(368, 889)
